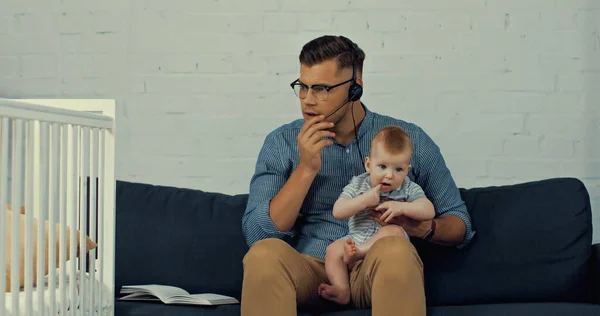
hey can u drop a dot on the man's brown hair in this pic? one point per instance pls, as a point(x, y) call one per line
point(327, 47)
point(394, 139)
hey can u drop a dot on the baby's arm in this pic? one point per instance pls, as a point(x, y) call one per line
point(351, 201)
point(420, 209)
point(345, 207)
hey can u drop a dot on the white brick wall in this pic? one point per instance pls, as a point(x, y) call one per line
point(508, 89)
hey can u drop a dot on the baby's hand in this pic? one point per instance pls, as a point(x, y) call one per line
point(372, 196)
point(390, 209)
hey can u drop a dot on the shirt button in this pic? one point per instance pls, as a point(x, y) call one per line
point(347, 150)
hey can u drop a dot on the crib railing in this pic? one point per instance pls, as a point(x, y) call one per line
point(57, 166)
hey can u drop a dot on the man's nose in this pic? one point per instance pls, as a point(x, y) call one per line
point(310, 99)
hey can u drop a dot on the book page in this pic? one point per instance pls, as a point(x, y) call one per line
point(163, 292)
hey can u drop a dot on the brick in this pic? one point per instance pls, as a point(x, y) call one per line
point(453, 21)
point(189, 63)
point(252, 6)
point(248, 64)
point(588, 20)
point(510, 102)
point(210, 84)
point(451, 103)
point(520, 146)
point(470, 145)
point(282, 64)
point(75, 65)
point(314, 5)
point(517, 81)
point(582, 169)
point(564, 103)
point(33, 23)
point(92, 43)
point(467, 168)
point(38, 66)
point(386, 22)
point(570, 127)
point(147, 63)
point(35, 87)
point(524, 169)
point(351, 22)
point(422, 42)
point(588, 148)
point(569, 81)
point(557, 147)
point(502, 124)
point(107, 65)
point(87, 87)
point(110, 21)
point(281, 23)
point(8, 66)
point(74, 22)
point(315, 21)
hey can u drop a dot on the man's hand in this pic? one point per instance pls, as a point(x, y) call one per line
point(310, 142)
point(413, 227)
point(390, 210)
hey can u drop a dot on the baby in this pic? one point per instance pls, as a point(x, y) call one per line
point(385, 180)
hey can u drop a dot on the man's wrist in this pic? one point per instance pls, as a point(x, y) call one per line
point(431, 230)
point(306, 173)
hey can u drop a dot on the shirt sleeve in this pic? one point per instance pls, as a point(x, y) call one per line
point(269, 177)
point(351, 190)
point(436, 181)
point(413, 191)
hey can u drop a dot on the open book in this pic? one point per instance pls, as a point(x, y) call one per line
point(172, 295)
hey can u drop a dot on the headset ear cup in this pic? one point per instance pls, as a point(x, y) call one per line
point(355, 92)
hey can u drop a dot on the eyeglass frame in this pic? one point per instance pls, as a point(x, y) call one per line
point(326, 87)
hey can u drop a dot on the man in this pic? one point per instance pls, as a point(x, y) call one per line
point(301, 170)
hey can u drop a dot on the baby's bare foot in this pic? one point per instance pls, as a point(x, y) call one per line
point(350, 252)
point(335, 294)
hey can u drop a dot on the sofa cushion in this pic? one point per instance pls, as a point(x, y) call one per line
point(123, 308)
point(532, 244)
point(173, 236)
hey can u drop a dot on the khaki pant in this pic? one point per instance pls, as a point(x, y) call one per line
point(278, 279)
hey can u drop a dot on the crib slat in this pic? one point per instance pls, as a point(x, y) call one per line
point(72, 186)
point(29, 213)
point(84, 167)
point(93, 214)
point(4, 183)
point(42, 204)
point(63, 218)
point(16, 200)
point(101, 210)
point(54, 201)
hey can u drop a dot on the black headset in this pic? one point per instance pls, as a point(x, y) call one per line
point(355, 91)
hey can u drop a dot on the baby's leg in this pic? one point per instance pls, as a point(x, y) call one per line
point(337, 272)
point(352, 253)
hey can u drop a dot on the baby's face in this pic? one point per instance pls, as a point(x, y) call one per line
point(387, 169)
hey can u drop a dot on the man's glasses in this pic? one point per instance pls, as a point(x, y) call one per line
point(320, 91)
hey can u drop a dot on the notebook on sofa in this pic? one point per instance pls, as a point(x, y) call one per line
point(172, 295)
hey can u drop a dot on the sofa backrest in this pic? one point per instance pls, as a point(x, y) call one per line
point(186, 238)
point(533, 243)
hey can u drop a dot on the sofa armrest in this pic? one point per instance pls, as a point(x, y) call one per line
point(596, 271)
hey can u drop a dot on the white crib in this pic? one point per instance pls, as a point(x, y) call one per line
point(57, 177)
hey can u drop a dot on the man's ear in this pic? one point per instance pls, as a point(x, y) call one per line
point(367, 164)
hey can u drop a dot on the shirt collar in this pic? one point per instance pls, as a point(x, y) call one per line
point(365, 125)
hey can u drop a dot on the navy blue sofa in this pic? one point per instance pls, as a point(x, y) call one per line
point(532, 254)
